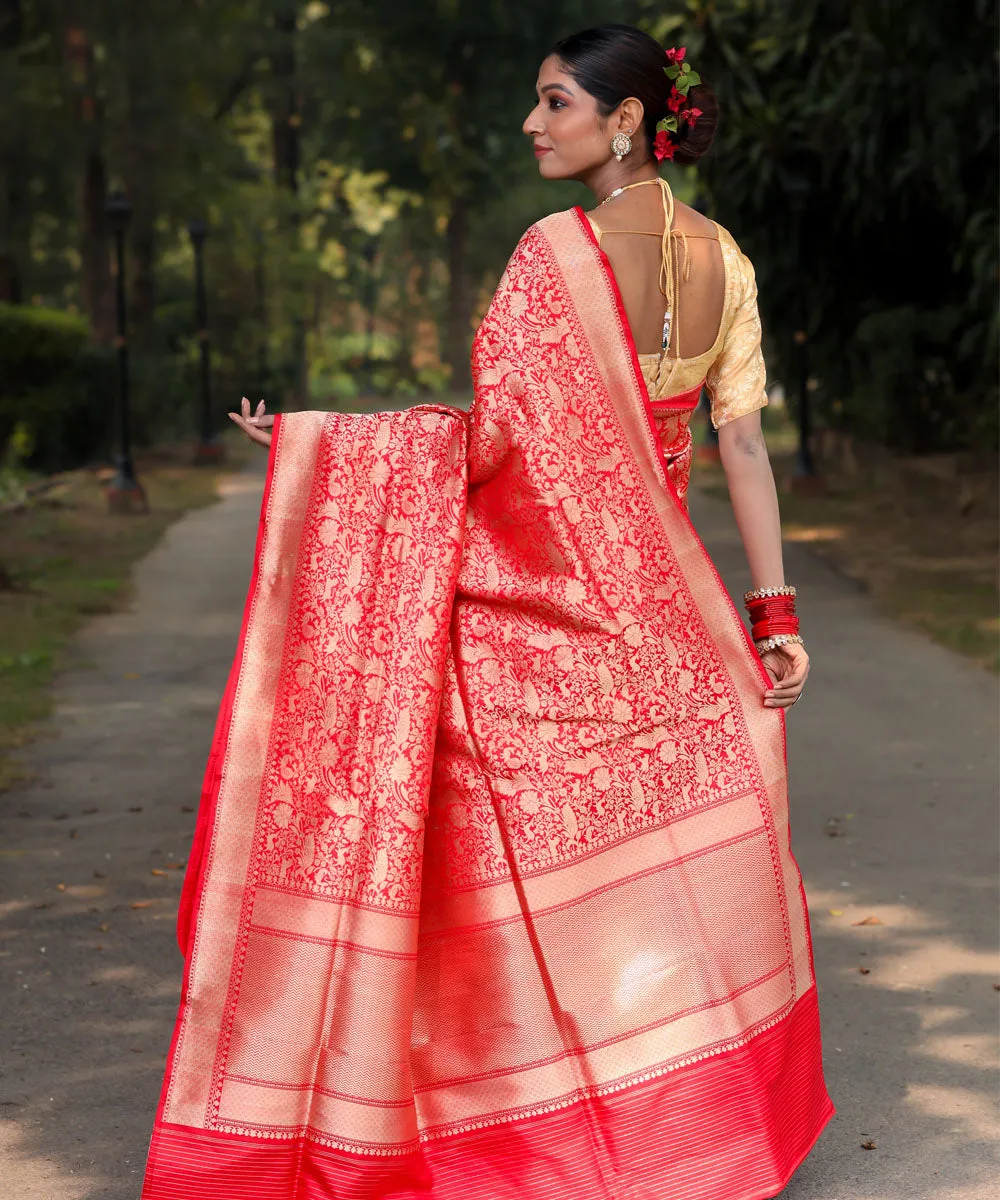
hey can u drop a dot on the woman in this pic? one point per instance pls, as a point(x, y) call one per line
point(491, 893)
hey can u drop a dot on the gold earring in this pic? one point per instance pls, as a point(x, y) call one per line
point(621, 144)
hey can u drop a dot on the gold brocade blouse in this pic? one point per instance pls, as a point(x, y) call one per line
point(732, 368)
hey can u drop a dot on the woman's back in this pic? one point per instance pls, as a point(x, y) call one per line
point(690, 301)
point(630, 233)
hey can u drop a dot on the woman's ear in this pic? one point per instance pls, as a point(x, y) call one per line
point(630, 114)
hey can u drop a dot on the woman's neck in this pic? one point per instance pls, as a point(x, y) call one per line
point(603, 180)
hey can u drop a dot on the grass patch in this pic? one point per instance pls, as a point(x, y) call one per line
point(919, 534)
point(66, 559)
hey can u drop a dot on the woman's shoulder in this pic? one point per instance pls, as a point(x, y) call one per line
point(729, 243)
point(544, 230)
point(739, 268)
point(555, 221)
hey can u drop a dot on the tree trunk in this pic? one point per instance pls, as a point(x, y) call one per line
point(95, 284)
point(459, 306)
point(12, 197)
point(285, 149)
point(285, 118)
point(140, 166)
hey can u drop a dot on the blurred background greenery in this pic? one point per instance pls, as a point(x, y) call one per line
point(363, 176)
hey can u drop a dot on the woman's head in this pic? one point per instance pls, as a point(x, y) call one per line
point(601, 82)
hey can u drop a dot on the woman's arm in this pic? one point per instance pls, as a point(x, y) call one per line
point(755, 506)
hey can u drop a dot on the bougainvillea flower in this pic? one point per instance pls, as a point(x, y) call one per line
point(676, 55)
point(663, 147)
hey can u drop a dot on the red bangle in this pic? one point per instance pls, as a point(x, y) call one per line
point(771, 604)
point(772, 616)
point(775, 625)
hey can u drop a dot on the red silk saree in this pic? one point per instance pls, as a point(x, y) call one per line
point(491, 894)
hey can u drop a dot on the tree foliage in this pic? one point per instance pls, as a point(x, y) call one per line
point(361, 168)
point(857, 165)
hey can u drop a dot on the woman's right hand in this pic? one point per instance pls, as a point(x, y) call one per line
point(258, 426)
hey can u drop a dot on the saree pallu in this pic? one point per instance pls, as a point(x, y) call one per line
point(491, 894)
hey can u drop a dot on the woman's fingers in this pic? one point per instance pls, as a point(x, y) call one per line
point(255, 425)
point(789, 669)
point(256, 434)
point(259, 417)
point(794, 680)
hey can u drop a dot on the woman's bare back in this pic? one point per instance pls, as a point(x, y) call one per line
point(631, 228)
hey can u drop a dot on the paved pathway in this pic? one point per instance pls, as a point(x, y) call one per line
point(894, 742)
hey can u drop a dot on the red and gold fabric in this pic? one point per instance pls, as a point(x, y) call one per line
point(492, 893)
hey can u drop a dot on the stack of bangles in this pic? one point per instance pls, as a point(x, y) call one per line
point(772, 617)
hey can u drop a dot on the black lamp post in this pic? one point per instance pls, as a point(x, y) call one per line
point(125, 493)
point(797, 187)
point(369, 251)
point(209, 448)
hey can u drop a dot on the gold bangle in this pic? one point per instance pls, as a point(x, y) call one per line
point(763, 593)
point(779, 639)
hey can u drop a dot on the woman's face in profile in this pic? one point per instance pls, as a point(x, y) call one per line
point(569, 136)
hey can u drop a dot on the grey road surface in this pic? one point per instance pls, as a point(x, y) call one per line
point(892, 752)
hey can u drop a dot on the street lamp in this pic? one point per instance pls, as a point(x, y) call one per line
point(209, 448)
point(125, 493)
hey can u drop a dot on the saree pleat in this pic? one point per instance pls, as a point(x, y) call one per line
point(493, 894)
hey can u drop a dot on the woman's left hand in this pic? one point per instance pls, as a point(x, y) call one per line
point(788, 667)
point(257, 426)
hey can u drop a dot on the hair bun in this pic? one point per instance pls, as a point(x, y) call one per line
point(613, 62)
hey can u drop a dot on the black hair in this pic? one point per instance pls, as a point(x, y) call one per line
point(613, 62)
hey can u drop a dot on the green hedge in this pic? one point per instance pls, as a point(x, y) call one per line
point(55, 389)
point(61, 394)
point(37, 344)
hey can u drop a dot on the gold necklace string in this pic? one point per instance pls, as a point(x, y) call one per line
point(669, 288)
point(627, 188)
point(668, 282)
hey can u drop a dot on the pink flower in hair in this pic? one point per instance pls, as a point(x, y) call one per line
point(675, 101)
point(692, 116)
point(676, 55)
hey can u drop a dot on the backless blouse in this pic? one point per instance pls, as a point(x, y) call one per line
point(732, 368)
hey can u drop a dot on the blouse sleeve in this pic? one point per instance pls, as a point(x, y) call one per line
point(735, 381)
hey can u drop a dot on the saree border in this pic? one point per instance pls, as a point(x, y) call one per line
point(193, 887)
point(776, 817)
point(188, 1092)
point(647, 404)
point(719, 1154)
point(682, 512)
